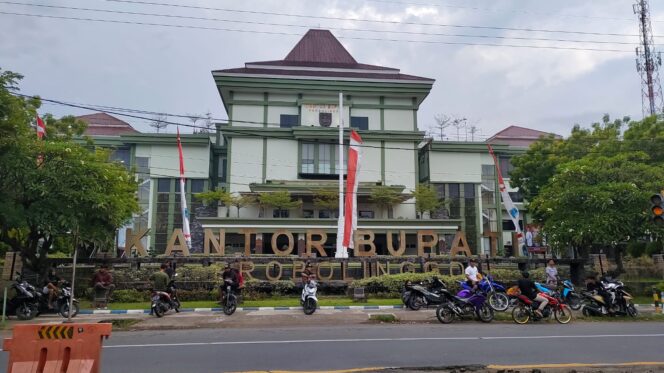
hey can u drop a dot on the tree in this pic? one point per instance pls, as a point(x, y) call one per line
point(219, 196)
point(280, 200)
point(73, 190)
point(426, 199)
point(240, 201)
point(598, 200)
point(438, 129)
point(384, 197)
point(159, 122)
point(327, 199)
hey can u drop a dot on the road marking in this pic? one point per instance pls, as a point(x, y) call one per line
point(574, 365)
point(315, 371)
point(354, 340)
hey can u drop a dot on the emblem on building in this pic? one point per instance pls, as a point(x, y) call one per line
point(325, 119)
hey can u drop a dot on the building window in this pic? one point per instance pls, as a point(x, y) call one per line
point(508, 225)
point(324, 214)
point(516, 197)
point(361, 123)
point(197, 185)
point(142, 167)
point(505, 166)
point(469, 191)
point(122, 155)
point(324, 158)
point(308, 159)
point(280, 213)
point(366, 214)
point(308, 214)
point(221, 168)
point(164, 186)
point(289, 120)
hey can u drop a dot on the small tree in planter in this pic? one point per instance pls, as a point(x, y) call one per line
point(426, 199)
point(240, 201)
point(220, 196)
point(384, 197)
point(327, 199)
point(279, 200)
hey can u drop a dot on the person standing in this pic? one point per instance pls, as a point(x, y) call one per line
point(551, 274)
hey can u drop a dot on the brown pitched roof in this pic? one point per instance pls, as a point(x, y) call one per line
point(518, 136)
point(320, 54)
point(102, 124)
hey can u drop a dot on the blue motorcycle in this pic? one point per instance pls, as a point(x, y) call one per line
point(495, 293)
point(567, 295)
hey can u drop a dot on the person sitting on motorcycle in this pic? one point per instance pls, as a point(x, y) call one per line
point(472, 274)
point(231, 274)
point(593, 285)
point(528, 288)
point(308, 274)
point(51, 286)
point(160, 280)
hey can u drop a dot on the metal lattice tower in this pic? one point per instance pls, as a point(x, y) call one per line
point(648, 62)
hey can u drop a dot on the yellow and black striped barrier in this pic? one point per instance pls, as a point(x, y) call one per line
point(56, 332)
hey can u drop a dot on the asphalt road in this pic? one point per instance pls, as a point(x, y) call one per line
point(343, 347)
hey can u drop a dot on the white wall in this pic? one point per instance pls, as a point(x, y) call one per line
point(282, 160)
point(249, 96)
point(375, 100)
point(165, 161)
point(370, 167)
point(282, 97)
point(400, 170)
point(455, 167)
point(249, 113)
point(245, 163)
point(398, 101)
point(399, 120)
point(310, 114)
point(372, 114)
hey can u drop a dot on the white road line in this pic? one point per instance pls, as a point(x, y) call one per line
point(346, 340)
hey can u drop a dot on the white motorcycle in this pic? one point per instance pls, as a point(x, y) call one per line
point(309, 301)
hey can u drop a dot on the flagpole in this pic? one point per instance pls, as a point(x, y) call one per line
point(341, 253)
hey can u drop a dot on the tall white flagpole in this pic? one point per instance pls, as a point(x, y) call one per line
point(341, 252)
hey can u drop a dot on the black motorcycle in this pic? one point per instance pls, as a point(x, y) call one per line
point(24, 304)
point(164, 301)
point(426, 296)
point(229, 302)
point(60, 304)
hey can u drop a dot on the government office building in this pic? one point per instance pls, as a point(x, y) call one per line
point(282, 135)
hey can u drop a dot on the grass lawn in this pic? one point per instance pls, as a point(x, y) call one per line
point(270, 302)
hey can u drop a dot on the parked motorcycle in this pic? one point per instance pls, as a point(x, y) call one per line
point(524, 310)
point(621, 302)
point(425, 296)
point(24, 303)
point(309, 301)
point(164, 301)
point(464, 307)
point(60, 304)
point(570, 296)
point(229, 303)
point(494, 291)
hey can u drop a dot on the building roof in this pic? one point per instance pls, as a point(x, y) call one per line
point(102, 124)
point(320, 55)
point(519, 136)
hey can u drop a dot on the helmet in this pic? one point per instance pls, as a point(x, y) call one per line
point(525, 274)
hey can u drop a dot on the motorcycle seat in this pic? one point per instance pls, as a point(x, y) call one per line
point(524, 299)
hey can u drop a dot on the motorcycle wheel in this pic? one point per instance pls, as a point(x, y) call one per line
point(157, 310)
point(64, 310)
point(444, 314)
point(231, 305)
point(485, 314)
point(632, 311)
point(26, 312)
point(499, 301)
point(309, 306)
point(176, 306)
point(520, 314)
point(405, 297)
point(574, 301)
point(586, 312)
point(563, 315)
point(415, 303)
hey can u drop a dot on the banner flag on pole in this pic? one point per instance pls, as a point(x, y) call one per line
point(512, 211)
point(183, 198)
point(41, 128)
point(350, 208)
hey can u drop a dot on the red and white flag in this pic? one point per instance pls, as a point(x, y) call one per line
point(41, 128)
point(512, 211)
point(350, 206)
point(183, 198)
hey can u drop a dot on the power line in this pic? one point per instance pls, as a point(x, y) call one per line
point(296, 34)
point(311, 26)
point(364, 20)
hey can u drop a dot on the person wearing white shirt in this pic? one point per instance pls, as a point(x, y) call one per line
point(471, 274)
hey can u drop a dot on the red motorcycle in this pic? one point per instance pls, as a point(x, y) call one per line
point(524, 310)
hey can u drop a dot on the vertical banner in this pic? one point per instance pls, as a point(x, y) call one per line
point(341, 252)
point(354, 159)
point(512, 211)
point(183, 198)
point(41, 128)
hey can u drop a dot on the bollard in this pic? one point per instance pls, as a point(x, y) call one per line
point(656, 298)
point(61, 348)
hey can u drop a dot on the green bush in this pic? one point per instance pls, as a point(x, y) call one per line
point(636, 249)
point(257, 289)
point(198, 295)
point(654, 247)
point(130, 296)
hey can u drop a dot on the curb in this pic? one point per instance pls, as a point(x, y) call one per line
point(219, 309)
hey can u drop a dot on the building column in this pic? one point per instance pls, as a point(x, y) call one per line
point(259, 244)
point(301, 244)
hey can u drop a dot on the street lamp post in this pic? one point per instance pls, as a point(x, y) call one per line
point(73, 277)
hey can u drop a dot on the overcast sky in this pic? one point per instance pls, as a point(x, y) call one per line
point(168, 69)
